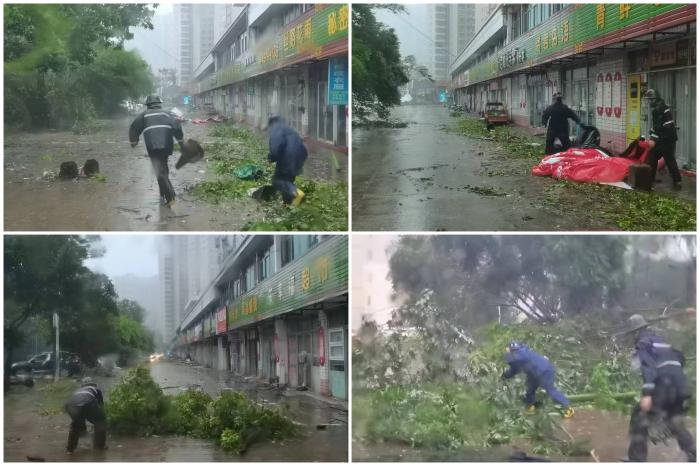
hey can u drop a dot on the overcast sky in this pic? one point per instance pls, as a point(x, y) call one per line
point(370, 268)
point(127, 254)
point(413, 30)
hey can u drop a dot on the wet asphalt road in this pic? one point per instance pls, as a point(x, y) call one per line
point(28, 430)
point(128, 200)
point(425, 178)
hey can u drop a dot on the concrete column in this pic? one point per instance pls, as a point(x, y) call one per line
point(281, 350)
point(260, 350)
point(222, 353)
point(244, 354)
point(324, 373)
point(306, 100)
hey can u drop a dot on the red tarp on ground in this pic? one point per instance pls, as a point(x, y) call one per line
point(593, 165)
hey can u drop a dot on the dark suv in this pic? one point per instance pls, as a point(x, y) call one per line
point(45, 362)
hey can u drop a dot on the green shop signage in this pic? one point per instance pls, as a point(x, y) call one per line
point(318, 275)
point(571, 32)
point(304, 38)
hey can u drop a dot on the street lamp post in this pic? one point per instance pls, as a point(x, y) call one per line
point(57, 361)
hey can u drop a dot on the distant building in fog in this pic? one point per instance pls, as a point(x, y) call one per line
point(452, 27)
point(157, 46)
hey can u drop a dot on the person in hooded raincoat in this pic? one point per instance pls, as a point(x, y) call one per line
point(288, 153)
point(539, 372)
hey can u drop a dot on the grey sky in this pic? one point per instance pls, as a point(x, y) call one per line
point(371, 289)
point(411, 28)
point(127, 254)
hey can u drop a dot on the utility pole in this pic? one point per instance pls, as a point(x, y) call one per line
point(57, 360)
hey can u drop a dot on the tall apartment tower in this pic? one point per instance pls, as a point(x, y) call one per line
point(452, 26)
point(166, 271)
point(187, 266)
point(198, 27)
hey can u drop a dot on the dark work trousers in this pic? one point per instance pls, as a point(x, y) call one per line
point(563, 137)
point(667, 150)
point(285, 185)
point(159, 161)
point(92, 412)
point(667, 401)
point(545, 381)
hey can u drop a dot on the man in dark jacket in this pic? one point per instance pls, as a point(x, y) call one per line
point(664, 391)
point(86, 403)
point(663, 137)
point(159, 128)
point(288, 152)
point(539, 372)
point(556, 118)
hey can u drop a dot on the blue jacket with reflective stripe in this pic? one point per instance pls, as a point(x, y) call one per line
point(86, 395)
point(655, 355)
point(663, 128)
point(158, 127)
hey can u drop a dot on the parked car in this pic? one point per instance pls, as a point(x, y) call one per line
point(45, 362)
point(496, 114)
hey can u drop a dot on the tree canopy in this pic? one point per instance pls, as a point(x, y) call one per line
point(46, 274)
point(377, 68)
point(65, 63)
point(541, 278)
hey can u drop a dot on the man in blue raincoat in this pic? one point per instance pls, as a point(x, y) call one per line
point(539, 372)
point(288, 152)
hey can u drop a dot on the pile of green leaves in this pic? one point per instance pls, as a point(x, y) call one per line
point(517, 146)
point(629, 210)
point(473, 406)
point(138, 405)
point(325, 208)
point(236, 147)
point(425, 415)
point(325, 205)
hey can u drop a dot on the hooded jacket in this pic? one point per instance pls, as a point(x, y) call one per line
point(85, 395)
point(656, 357)
point(558, 115)
point(287, 149)
point(158, 127)
point(663, 128)
point(525, 360)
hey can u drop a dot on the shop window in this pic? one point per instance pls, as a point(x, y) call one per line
point(287, 250)
point(293, 247)
point(265, 268)
point(336, 345)
point(250, 277)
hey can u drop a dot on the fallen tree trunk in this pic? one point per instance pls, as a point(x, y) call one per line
point(583, 397)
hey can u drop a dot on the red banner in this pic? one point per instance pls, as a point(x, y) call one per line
point(221, 321)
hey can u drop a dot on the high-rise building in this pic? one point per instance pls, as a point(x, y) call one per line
point(166, 272)
point(199, 27)
point(188, 264)
point(452, 27)
point(183, 20)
